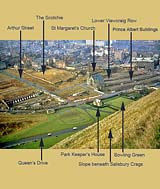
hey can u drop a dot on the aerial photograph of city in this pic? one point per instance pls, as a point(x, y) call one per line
point(55, 94)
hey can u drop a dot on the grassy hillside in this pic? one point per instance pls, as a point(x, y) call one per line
point(142, 127)
point(12, 123)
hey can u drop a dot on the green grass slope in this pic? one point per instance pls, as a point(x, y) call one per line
point(142, 127)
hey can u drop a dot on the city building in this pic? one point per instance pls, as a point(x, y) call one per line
point(60, 64)
point(97, 43)
point(146, 63)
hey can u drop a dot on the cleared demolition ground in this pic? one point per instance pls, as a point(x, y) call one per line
point(77, 92)
point(10, 89)
point(23, 97)
point(68, 85)
point(120, 81)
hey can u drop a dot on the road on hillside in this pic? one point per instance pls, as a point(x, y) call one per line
point(38, 137)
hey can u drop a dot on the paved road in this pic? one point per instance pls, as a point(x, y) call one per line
point(38, 137)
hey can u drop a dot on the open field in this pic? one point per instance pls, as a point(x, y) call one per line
point(142, 127)
point(53, 75)
point(72, 83)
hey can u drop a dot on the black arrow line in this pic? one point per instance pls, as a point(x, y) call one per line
point(98, 116)
point(94, 63)
point(41, 146)
point(110, 136)
point(131, 69)
point(20, 70)
point(109, 69)
point(122, 109)
point(43, 66)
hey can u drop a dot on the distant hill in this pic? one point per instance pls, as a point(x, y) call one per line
point(142, 127)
